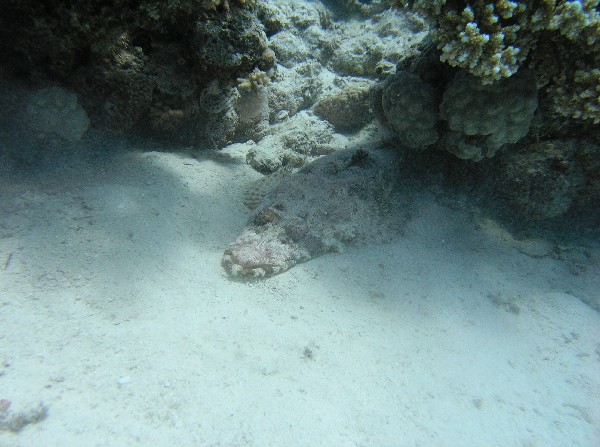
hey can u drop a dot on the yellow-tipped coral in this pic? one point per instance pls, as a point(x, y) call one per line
point(493, 39)
point(256, 80)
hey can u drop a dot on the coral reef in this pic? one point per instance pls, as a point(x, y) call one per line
point(225, 4)
point(294, 89)
point(482, 118)
point(164, 118)
point(580, 98)
point(290, 49)
point(523, 77)
point(225, 49)
point(478, 119)
point(297, 140)
point(353, 8)
point(372, 46)
point(408, 106)
point(145, 69)
point(142, 69)
point(365, 47)
point(558, 39)
point(216, 99)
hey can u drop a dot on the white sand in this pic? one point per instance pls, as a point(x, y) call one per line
point(116, 314)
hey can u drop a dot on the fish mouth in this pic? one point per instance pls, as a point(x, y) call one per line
point(262, 251)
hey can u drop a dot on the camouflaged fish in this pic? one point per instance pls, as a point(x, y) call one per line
point(338, 199)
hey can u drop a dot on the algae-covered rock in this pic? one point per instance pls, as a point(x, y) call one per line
point(54, 112)
point(348, 109)
point(294, 142)
point(136, 66)
point(46, 117)
point(225, 49)
point(374, 45)
point(540, 180)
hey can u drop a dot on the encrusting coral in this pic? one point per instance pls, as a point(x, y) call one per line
point(493, 39)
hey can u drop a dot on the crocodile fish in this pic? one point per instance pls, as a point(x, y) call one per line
point(338, 199)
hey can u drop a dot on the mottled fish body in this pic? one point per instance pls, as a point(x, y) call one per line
point(338, 199)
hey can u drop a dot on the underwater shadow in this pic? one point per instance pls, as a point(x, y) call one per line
point(113, 220)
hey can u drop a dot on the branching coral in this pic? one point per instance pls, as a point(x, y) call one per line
point(255, 80)
point(582, 97)
point(487, 39)
point(577, 19)
point(492, 39)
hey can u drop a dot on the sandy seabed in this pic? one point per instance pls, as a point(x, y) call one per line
point(119, 327)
